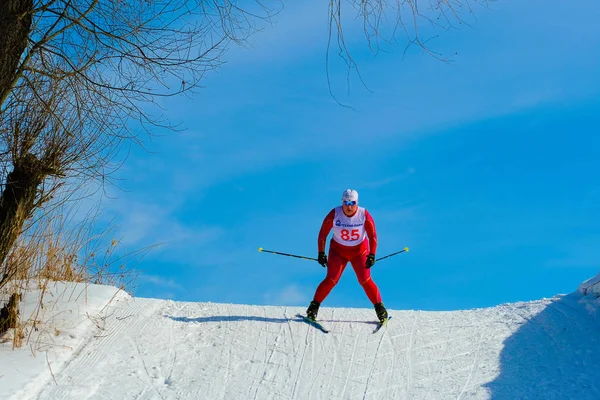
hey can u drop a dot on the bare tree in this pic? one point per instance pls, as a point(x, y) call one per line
point(80, 78)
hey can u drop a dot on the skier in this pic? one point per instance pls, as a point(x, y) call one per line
point(354, 240)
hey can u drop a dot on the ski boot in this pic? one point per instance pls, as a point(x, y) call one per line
point(381, 312)
point(313, 310)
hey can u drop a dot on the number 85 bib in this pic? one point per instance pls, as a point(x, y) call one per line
point(349, 231)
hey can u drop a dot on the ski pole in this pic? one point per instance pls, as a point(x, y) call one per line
point(393, 254)
point(314, 259)
point(285, 254)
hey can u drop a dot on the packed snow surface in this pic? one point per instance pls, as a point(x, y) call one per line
point(104, 344)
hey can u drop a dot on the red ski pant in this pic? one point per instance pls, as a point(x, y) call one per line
point(338, 258)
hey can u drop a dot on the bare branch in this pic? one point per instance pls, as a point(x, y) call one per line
point(380, 21)
point(79, 79)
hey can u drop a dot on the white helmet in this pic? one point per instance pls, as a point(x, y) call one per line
point(350, 195)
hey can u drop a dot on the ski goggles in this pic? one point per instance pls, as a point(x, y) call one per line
point(349, 203)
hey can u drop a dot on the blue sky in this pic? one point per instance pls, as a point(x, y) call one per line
point(486, 167)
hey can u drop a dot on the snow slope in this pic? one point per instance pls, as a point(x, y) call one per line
point(65, 320)
point(155, 349)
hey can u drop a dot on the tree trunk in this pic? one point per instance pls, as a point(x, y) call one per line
point(17, 202)
point(9, 314)
point(15, 25)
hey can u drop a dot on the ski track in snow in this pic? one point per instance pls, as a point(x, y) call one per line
point(157, 349)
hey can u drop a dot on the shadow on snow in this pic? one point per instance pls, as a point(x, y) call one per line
point(232, 318)
point(554, 355)
point(238, 318)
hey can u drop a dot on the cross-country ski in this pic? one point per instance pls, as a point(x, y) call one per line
point(382, 324)
point(313, 323)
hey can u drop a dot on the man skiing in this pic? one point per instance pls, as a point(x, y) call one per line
point(354, 240)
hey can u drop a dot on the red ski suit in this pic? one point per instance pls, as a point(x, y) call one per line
point(340, 255)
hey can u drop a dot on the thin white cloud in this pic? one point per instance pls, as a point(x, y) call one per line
point(299, 28)
point(387, 180)
point(146, 224)
point(290, 295)
point(164, 283)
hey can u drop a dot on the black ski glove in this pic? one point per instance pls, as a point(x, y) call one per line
point(322, 259)
point(370, 260)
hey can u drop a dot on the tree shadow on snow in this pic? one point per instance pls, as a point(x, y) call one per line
point(349, 321)
point(231, 318)
point(554, 355)
point(237, 318)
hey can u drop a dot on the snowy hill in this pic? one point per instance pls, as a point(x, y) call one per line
point(98, 343)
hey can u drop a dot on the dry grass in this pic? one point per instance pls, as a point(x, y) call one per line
point(60, 248)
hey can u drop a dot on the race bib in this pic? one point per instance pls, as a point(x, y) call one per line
point(349, 231)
